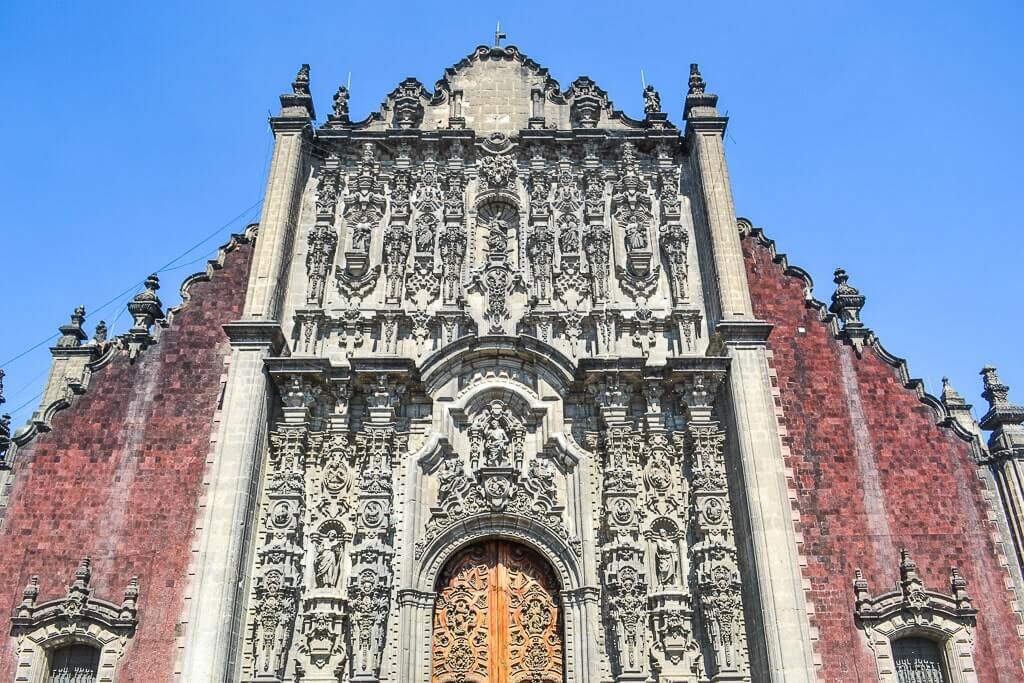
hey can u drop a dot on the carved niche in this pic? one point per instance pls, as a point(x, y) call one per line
point(502, 478)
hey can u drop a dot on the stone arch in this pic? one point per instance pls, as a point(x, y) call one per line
point(528, 532)
point(547, 361)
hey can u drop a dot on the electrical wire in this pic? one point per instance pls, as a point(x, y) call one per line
point(136, 285)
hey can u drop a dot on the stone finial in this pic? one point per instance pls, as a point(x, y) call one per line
point(958, 587)
point(29, 597)
point(652, 100)
point(996, 393)
point(860, 588)
point(72, 334)
point(145, 308)
point(950, 396)
point(847, 302)
point(131, 599)
point(910, 582)
point(99, 337)
point(83, 575)
point(699, 103)
point(298, 104)
point(697, 84)
point(1004, 419)
point(300, 86)
point(959, 409)
point(5, 436)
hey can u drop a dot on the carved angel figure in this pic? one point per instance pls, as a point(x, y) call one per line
point(542, 477)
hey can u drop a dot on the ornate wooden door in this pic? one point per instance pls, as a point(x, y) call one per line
point(497, 618)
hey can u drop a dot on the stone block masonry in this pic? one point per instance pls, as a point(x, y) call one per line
point(119, 475)
point(873, 473)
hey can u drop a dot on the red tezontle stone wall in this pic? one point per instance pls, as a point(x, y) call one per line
point(873, 474)
point(119, 476)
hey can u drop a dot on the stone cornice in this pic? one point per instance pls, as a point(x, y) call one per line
point(256, 332)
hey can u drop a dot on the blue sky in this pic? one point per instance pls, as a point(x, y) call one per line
point(883, 137)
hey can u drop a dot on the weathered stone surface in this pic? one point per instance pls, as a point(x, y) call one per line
point(119, 477)
point(872, 473)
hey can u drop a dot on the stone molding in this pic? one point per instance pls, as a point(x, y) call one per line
point(78, 618)
point(912, 610)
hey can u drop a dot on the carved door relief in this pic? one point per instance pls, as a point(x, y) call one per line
point(497, 618)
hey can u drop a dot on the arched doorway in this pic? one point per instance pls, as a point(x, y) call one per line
point(497, 618)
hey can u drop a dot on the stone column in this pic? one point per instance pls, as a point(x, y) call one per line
point(217, 593)
point(781, 649)
point(1006, 455)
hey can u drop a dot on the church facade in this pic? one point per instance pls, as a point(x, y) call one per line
point(500, 390)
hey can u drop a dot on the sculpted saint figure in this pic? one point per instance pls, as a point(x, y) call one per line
point(496, 443)
point(666, 558)
point(327, 564)
point(636, 236)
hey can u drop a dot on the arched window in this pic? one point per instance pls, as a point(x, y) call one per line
point(74, 664)
point(919, 635)
point(918, 660)
point(75, 639)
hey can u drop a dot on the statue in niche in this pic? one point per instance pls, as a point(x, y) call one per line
point(327, 564)
point(425, 228)
point(497, 240)
point(496, 443)
point(569, 235)
point(666, 558)
point(361, 237)
point(636, 236)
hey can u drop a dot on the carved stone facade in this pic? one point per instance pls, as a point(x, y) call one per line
point(503, 403)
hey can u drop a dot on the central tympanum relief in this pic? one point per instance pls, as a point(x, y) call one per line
point(497, 618)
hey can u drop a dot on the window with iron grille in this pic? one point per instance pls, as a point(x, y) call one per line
point(74, 664)
point(918, 660)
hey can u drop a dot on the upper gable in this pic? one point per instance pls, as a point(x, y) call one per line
point(497, 90)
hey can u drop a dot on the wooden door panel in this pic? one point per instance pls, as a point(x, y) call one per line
point(462, 630)
point(497, 618)
point(534, 625)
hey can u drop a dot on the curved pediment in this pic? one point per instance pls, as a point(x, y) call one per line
point(498, 90)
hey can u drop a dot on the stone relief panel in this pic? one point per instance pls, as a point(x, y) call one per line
point(586, 245)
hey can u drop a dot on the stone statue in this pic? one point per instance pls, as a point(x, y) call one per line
point(497, 240)
point(652, 100)
point(424, 237)
point(361, 237)
point(496, 443)
point(542, 477)
point(636, 236)
point(327, 564)
point(448, 478)
point(666, 558)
